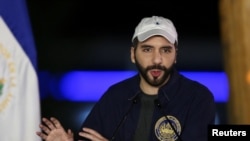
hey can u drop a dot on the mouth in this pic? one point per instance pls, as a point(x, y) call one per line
point(155, 73)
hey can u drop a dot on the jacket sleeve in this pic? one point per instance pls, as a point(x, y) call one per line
point(202, 113)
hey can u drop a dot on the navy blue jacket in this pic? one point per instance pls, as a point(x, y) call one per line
point(189, 106)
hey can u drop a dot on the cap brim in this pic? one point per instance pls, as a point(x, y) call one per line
point(144, 36)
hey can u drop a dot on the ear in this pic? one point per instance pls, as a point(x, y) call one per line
point(132, 54)
point(176, 56)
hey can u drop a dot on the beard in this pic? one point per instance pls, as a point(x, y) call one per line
point(156, 81)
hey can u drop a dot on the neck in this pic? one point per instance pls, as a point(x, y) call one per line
point(148, 89)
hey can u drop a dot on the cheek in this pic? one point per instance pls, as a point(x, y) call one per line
point(143, 60)
point(142, 56)
point(169, 61)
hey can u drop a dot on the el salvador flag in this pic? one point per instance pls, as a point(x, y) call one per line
point(19, 91)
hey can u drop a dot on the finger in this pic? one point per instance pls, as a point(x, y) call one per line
point(70, 133)
point(42, 135)
point(92, 132)
point(44, 129)
point(86, 135)
point(56, 122)
point(48, 123)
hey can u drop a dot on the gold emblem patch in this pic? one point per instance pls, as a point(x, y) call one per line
point(7, 78)
point(164, 131)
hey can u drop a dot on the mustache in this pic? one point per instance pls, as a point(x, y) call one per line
point(156, 67)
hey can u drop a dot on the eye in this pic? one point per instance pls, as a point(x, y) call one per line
point(166, 49)
point(146, 49)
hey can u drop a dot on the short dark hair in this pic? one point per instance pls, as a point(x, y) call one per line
point(135, 42)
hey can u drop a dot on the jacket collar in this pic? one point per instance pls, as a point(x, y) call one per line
point(169, 90)
point(165, 93)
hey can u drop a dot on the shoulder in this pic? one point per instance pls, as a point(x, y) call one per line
point(124, 88)
point(190, 87)
point(128, 83)
point(196, 88)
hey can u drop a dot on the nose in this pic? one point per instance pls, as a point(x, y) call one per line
point(157, 57)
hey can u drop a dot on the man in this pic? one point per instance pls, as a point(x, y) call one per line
point(157, 104)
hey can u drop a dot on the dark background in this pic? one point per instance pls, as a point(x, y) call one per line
point(74, 34)
point(79, 35)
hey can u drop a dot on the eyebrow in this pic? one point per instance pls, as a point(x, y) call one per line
point(146, 46)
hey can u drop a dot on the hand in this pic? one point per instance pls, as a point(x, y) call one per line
point(92, 135)
point(53, 131)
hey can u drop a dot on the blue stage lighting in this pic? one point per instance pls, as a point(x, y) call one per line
point(90, 85)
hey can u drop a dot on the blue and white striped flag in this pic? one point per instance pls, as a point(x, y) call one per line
point(19, 89)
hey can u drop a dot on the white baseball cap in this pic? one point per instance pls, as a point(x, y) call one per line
point(155, 25)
